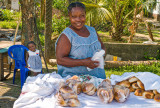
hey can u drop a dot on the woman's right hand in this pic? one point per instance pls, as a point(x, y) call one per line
point(91, 64)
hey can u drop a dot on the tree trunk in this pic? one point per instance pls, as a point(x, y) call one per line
point(49, 52)
point(149, 31)
point(42, 15)
point(132, 28)
point(28, 27)
point(117, 32)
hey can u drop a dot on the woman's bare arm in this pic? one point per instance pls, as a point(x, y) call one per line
point(62, 52)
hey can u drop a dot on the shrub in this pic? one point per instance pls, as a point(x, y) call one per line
point(8, 15)
point(59, 24)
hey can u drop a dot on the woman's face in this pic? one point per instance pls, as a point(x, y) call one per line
point(77, 17)
point(32, 47)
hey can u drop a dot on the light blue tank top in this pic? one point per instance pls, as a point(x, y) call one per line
point(81, 48)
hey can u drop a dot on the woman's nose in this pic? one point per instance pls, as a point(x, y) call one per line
point(78, 19)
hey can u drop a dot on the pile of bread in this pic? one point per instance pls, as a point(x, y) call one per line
point(68, 91)
point(136, 86)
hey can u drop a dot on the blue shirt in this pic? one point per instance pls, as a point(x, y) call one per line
point(81, 48)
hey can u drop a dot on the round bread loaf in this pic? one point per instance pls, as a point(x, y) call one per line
point(139, 92)
point(92, 92)
point(135, 86)
point(73, 103)
point(77, 87)
point(105, 83)
point(60, 100)
point(157, 97)
point(148, 94)
point(88, 88)
point(65, 89)
point(71, 95)
point(140, 84)
point(133, 79)
point(75, 77)
point(124, 83)
point(155, 92)
point(131, 89)
point(105, 95)
point(121, 93)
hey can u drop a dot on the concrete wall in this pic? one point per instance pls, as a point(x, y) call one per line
point(133, 52)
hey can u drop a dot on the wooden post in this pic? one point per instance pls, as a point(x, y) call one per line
point(1, 67)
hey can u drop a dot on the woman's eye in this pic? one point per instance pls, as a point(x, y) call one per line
point(73, 16)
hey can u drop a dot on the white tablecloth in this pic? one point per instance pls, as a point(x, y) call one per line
point(38, 92)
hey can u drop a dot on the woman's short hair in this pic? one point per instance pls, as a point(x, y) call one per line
point(76, 4)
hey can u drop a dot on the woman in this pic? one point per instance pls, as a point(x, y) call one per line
point(77, 44)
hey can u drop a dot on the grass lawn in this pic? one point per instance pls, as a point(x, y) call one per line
point(154, 68)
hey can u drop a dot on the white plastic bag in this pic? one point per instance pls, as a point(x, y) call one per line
point(98, 56)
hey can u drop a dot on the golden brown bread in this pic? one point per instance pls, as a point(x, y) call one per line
point(155, 92)
point(65, 89)
point(105, 95)
point(135, 86)
point(88, 88)
point(77, 88)
point(71, 95)
point(73, 102)
point(92, 92)
point(105, 83)
point(75, 85)
point(131, 89)
point(133, 79)
point(124, 83)
point(157, 97)
point(121, 93)
point(60, 100)
point(139, 92)
point(148, 94)
point(140, 84)
point(75, 77)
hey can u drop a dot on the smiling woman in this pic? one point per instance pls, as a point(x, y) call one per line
point(77, 44)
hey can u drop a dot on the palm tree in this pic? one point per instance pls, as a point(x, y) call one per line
point(141, 6)
point(109, 10)
point(115, 11)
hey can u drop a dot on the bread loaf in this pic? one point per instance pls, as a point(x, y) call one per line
point(157, 97)
point(67, 97)
point(73, 102)
point(65, 89)
point(148, 94)
point(135, 85)
point(139, 92)
point(121, 93)
point(75, 85)
point(124, 83)
point(105, 91)
point(155, 92)
point(105, 83)
point(105, 95)
point(133, 79)
point(131, 89)
point(88, 88)
point(140, 84)
point(60, 100)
